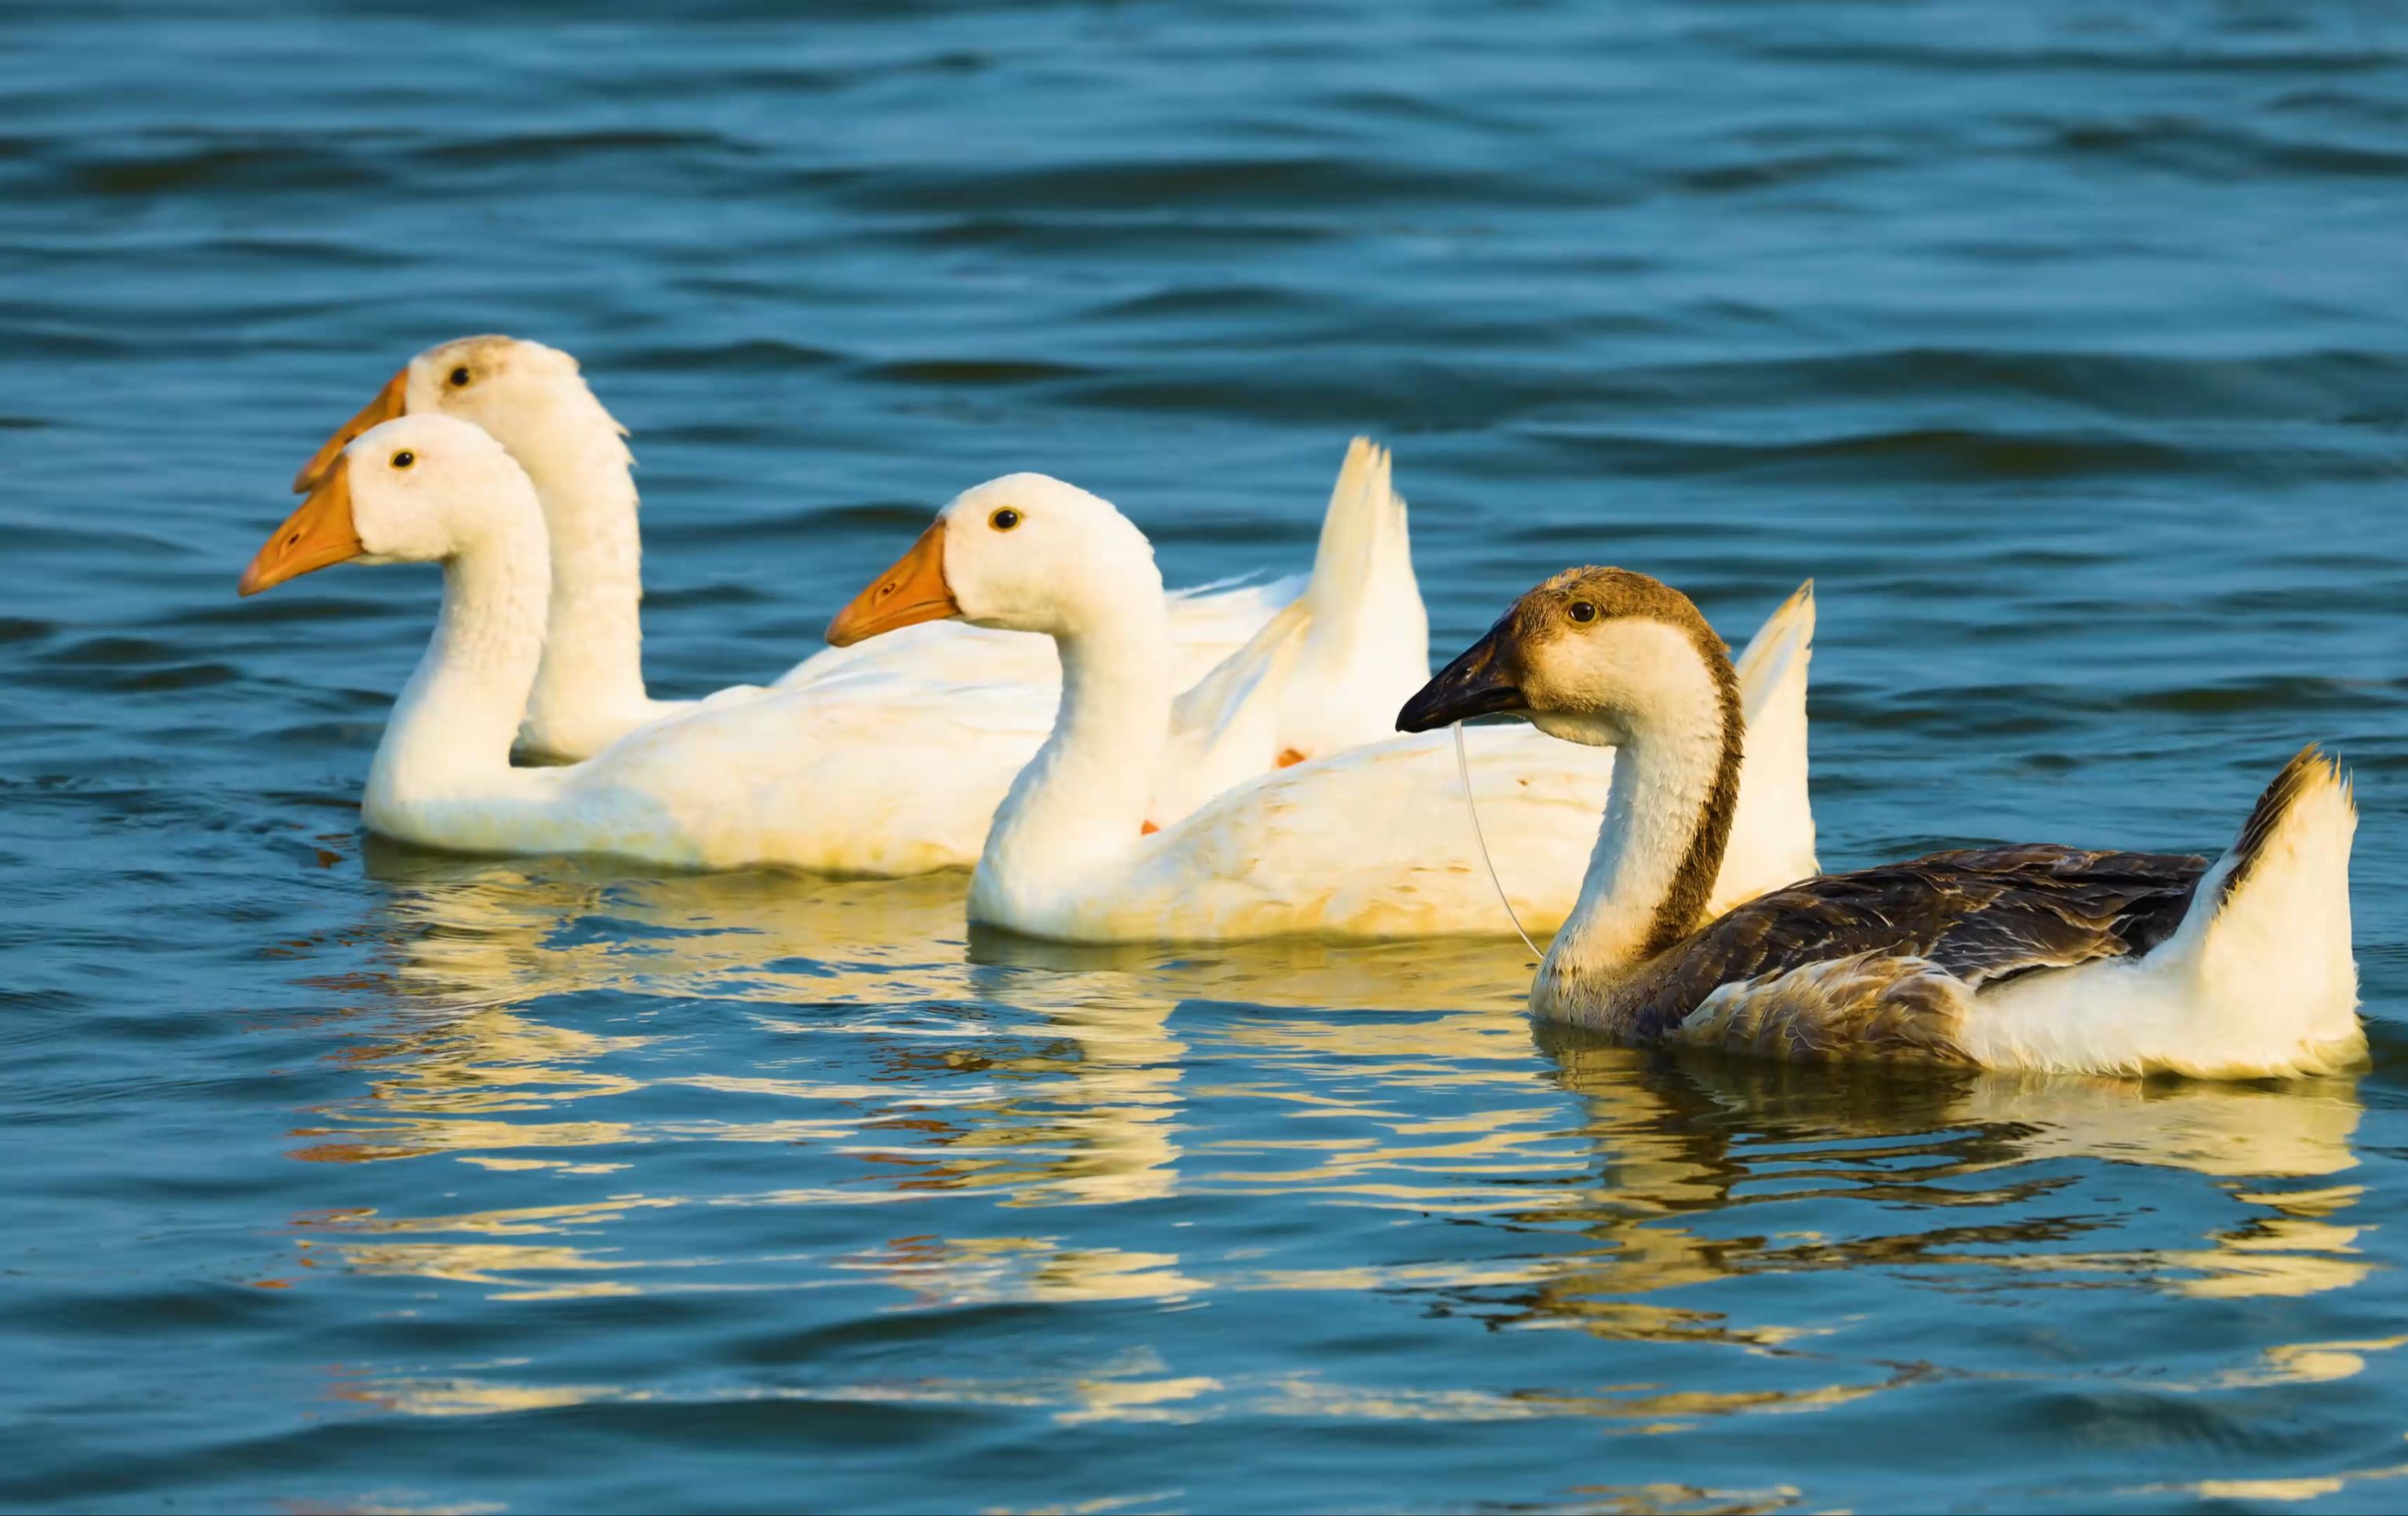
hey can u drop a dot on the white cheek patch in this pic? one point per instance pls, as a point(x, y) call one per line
point(1624, 673)
point(1587, 728)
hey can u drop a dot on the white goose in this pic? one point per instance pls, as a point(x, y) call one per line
point(1373, 841)
point(2035, 957)
point(863, 770)
point(589, 688)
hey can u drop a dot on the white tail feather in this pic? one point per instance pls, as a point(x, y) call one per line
point(1366, 648)
point(2266, 942)
point(2259, 980)
point(1772, 831)
point(1324, 674)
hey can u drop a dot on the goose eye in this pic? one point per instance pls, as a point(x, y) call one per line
point(1005, 519)
point(1581, 612)
point(460, 377)
point(404, 458)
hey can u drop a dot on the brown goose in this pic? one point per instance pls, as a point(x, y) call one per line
point(2032, 957)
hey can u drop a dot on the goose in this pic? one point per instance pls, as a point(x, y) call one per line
point(589, 689)
point(865, 771)
point(2033, 957)
point(1371, 841)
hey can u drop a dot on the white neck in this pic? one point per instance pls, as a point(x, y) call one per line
point(1666, 764)
point(592, 667)
point(1082, 800)
point(451, 732)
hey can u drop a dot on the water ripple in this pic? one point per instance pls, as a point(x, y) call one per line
point(2062, 349)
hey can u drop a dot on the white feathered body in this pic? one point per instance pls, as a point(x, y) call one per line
point(2260, 984)
point(848, 776)
point(1377, 841)
point(872, 766)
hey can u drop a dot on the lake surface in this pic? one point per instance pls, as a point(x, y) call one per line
point(2064, 346)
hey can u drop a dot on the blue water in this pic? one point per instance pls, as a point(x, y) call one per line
point(2065, 345)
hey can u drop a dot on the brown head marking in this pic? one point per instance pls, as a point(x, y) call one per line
point(1503, 672)
point(1553, 609)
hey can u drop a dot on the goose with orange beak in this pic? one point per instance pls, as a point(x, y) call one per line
point(865, 771)
point(1371, 841)
point(590, 689)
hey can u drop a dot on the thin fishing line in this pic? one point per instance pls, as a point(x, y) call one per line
point(1463, 767)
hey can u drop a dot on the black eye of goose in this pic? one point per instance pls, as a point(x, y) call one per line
point(460, 377)
point(1581, 612)
point(404, 458)
point(1003, 519)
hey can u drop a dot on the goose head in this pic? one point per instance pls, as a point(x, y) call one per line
point(417, 489)
point(1025, 551)
point(513, 388)
point(1587, 656)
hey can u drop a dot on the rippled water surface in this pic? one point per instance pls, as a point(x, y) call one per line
point(2065, 345)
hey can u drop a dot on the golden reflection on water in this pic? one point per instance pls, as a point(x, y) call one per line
point(2282, 1491)
point(1043, 1077)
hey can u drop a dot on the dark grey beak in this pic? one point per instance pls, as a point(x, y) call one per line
point(1478, 683)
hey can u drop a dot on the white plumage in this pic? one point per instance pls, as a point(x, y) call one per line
point(589, 689)
point(2259, 984)
point(1373, 841)
point(861, 770)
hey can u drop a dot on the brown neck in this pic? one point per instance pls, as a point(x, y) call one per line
point(1684, 906)
point(1667, 820)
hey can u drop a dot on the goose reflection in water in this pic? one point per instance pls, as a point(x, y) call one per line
point(959, 1102)
point(1980, 1155)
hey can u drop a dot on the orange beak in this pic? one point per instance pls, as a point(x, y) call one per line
point(319, 533)
point(391, 402)
point(913, 591)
